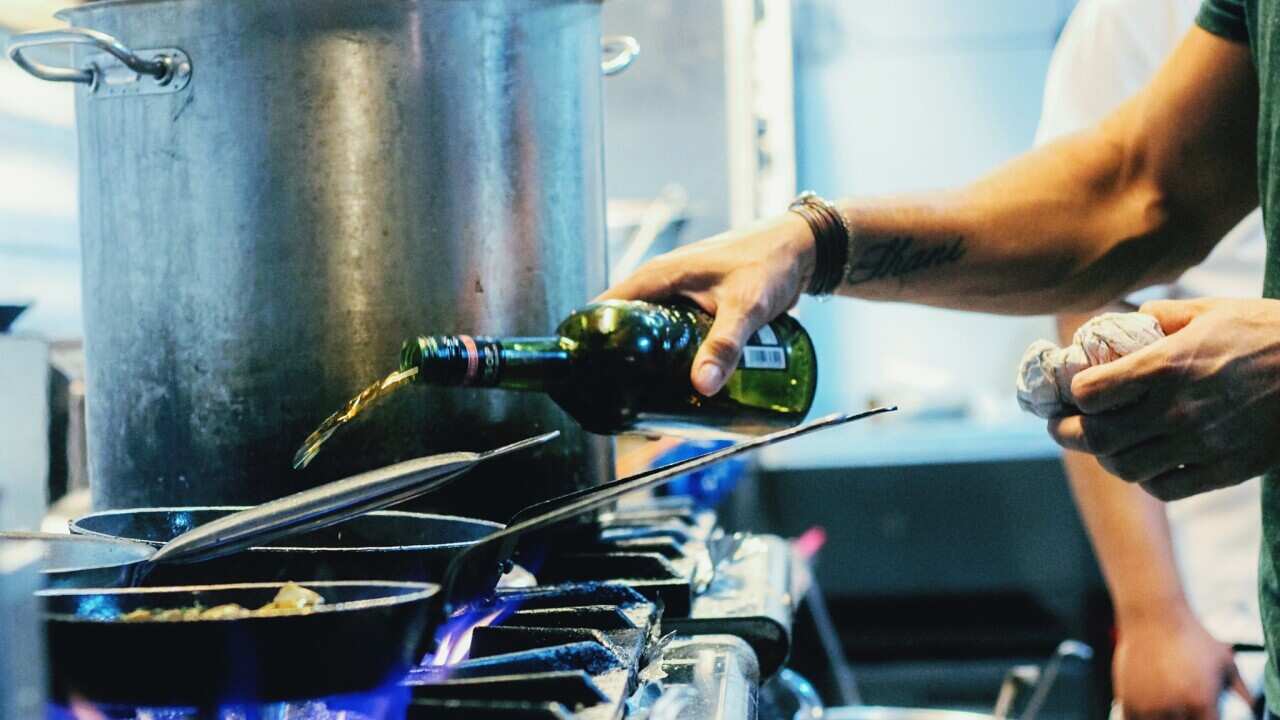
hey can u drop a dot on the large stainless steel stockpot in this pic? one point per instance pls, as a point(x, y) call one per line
point(274, 194)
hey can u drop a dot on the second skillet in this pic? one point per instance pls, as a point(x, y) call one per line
point(384, 545)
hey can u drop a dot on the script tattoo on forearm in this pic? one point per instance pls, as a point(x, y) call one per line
point(899, 257)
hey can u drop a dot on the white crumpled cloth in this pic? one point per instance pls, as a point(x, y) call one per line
point(1046, 370)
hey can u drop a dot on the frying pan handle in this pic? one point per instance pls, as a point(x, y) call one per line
point(546, 506)
point(570, 504)
point(472, 573)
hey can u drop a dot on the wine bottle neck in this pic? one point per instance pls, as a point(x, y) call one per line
point(519, 363)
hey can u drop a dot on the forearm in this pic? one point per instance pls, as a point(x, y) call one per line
point(1130, 536)
point(1078, 222)
point(1047, 232)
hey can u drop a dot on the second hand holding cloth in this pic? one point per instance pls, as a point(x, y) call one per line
point(1046, 370)
point(1192, 412)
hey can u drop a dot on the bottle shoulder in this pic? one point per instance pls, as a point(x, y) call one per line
point(647, 327)
point(632, 326)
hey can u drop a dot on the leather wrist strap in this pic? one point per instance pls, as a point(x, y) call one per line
point(830, 241)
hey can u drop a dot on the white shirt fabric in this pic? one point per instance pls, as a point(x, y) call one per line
point(1108, 51)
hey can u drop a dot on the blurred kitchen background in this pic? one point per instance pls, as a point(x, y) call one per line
point(952, 550)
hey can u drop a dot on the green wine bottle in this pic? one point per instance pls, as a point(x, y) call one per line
point(623, 367)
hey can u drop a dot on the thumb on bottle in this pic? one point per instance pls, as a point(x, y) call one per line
point(721, 349)
point(708, 378)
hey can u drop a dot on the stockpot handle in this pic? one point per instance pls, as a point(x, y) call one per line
point(620, 51)
point(161, 66)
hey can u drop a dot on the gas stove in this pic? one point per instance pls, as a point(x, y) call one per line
point(652, 611)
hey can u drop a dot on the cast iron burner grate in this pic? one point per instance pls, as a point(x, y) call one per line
point(574, 648)
point(707, 582)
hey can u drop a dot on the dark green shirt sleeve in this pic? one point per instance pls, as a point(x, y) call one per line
point(1224, 18)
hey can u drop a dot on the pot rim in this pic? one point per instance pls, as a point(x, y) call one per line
point(70, 13)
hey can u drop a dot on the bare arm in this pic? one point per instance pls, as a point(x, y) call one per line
point(1071, 225)
point(1077, 223)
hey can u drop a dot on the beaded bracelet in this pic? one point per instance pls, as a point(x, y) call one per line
point(830, 241)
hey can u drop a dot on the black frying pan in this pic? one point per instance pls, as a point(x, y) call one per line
point(197, 536)
point(385, 545)
point(365, 634)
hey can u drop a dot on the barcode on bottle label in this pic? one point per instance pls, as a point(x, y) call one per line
point(764, 358)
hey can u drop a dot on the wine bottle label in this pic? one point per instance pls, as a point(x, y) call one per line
point(762, 352)
point(490, 371)
point(479, 358)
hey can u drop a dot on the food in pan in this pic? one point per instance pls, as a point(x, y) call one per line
point(293, 599)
